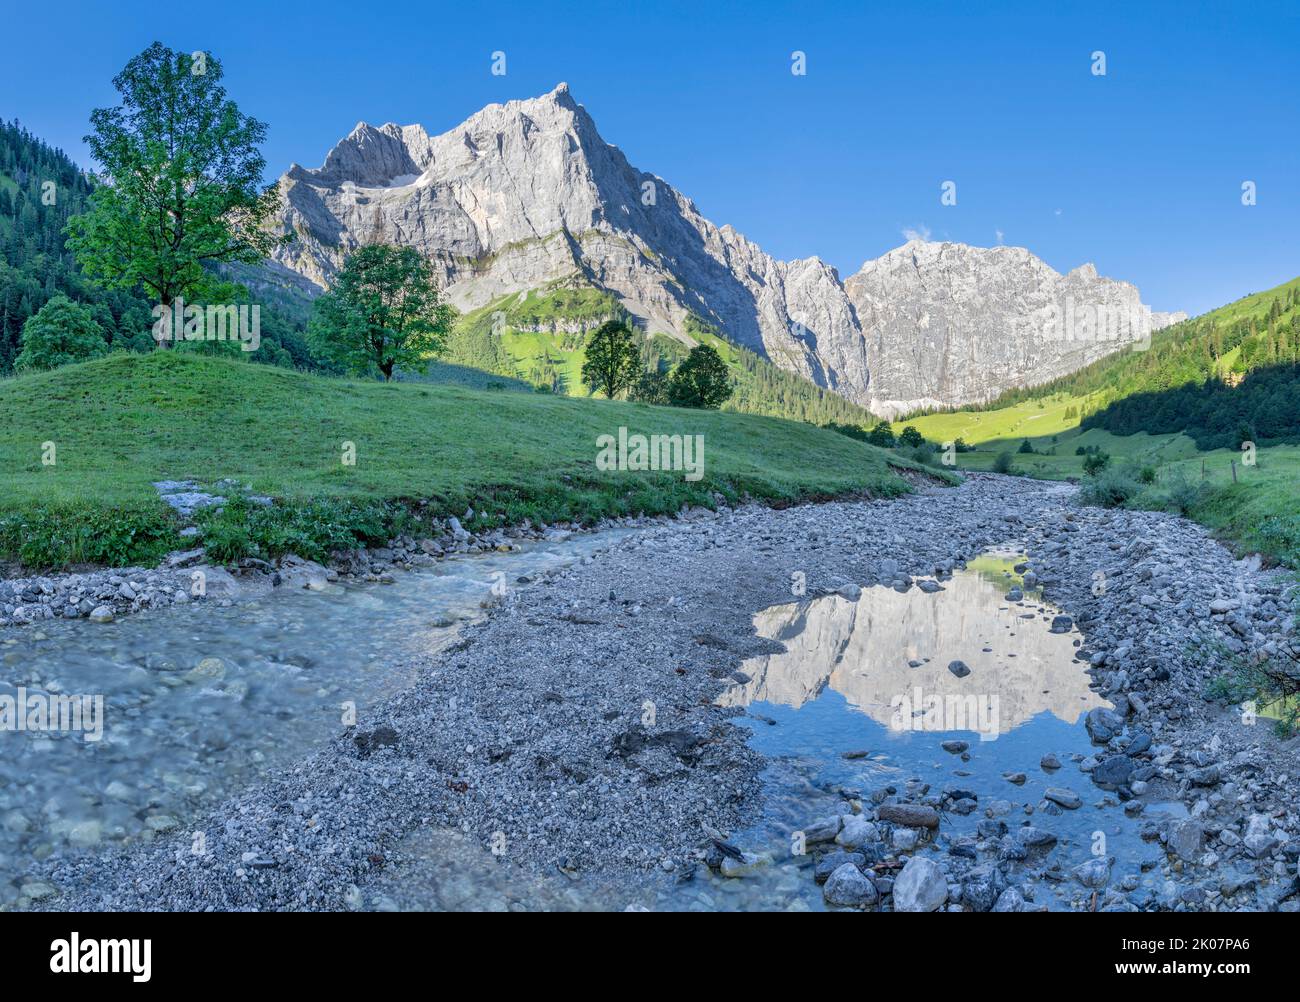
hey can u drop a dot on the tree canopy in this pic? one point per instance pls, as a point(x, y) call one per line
point(61, 332)
point(180, 173)
point(702, 380)
point(613, 361)
point(383, 313)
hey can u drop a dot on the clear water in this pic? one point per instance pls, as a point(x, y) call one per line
point(848, 683)
point(199, 701)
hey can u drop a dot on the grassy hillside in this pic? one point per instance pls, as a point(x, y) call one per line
point(1164, 413)
point(539, 337)
point(1258, 511)
point(120, 423)
point(1256, 331)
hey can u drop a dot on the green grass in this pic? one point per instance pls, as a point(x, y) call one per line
point(1258, 512)
point(1030, 419)
point(492, 338)
point(120, 423)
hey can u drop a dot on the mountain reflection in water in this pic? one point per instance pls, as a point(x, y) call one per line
point(865, 649)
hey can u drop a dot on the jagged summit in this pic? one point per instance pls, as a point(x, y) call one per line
point(950, 323)
point(527, 192)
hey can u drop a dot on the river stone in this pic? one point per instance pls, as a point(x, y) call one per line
point(207, 670)
point(958, 668)
point(1232, 881)
point(904, 839)
point(1094, 873)
point(832, 861)
point(822, 830)
point(920, 887)
point(1034, 837)
point(982, 887)
point(161, 822)
point(912, 815)
point(218, 583)
point(1113, 772)
point(857, 831)
point(36, 891)
point(101, 614)
point(1211, 775)
point(1141, 743)
point(84, 834)
point(1066, 798)
point(1259, 839)
point(1103, 724)
point(1010, 900)
point(748, 866)
point(847, 887)
point(1186, 837)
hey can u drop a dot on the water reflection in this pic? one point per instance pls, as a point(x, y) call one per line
point(888, 654)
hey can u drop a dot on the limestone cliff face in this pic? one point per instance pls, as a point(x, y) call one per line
point(527, 193)
point(948, 323)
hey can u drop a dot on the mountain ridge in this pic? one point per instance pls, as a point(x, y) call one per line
point(527, 192)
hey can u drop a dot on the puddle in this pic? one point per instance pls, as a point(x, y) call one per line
point(199, 701)
point(888, 654)
point(863, 698)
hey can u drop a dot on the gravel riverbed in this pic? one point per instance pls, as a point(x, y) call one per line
point(574, 735)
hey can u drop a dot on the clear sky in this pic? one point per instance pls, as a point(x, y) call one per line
point(1139, 171)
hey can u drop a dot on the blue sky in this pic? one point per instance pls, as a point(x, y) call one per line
point(1139, 171)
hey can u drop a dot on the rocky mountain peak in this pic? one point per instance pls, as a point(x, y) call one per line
point(949, 323)
point(527, 193)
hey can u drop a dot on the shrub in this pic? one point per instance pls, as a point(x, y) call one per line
point(1026, 448)
point(911, 438)
point(244, 528)
point(57, 536)
point(1095, 462)
point(923, 455)
point(882, 435)
point(1003, 463)
point(1184, 494)
point(1147, 475)
point(848, 430)
point(1109, 489)
point(60, 333)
